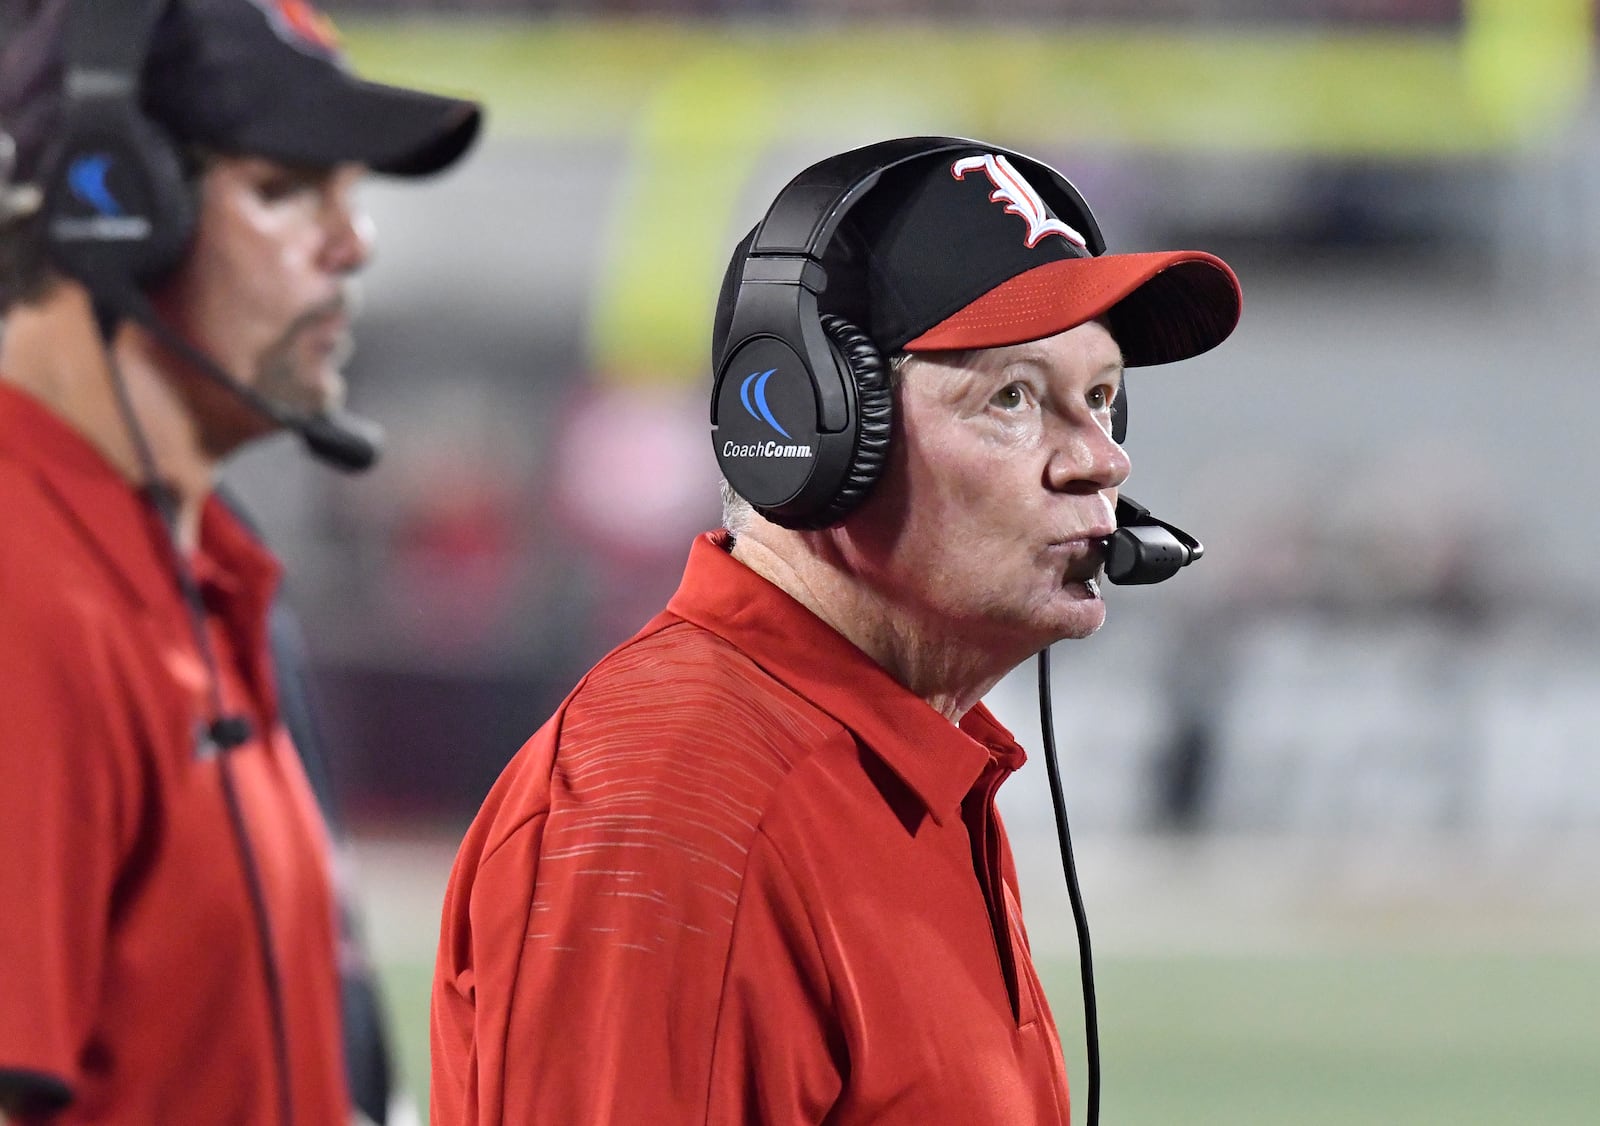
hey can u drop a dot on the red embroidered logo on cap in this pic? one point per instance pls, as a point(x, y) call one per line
point(297, 22)
point(1018, 196)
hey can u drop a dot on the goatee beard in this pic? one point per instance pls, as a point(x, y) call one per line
point(279, 377)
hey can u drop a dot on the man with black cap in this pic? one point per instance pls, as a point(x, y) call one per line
point(178, 235)
point(751, 870)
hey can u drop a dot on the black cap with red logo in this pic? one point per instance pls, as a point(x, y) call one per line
point(963, 252)
point(960, 250)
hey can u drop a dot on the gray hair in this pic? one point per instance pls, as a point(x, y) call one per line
point(737, 513)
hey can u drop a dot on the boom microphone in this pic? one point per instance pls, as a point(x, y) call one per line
point(1146, 550)
point(340, 439)
point(1142, 550)
point(337, 438)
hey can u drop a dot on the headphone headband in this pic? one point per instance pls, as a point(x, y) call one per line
point(788, 245)
point(807, 212)
point(105, 45)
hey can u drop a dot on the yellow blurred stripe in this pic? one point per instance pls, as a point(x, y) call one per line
point(1516, 68)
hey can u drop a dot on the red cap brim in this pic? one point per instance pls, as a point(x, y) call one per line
point(1161, 307)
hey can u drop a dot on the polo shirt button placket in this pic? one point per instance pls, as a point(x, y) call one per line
point(978, 814)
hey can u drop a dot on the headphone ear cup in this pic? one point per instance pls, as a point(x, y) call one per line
point(869, 371)
point(118, 208)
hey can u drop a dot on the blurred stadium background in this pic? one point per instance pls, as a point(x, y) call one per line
point(1336, 791)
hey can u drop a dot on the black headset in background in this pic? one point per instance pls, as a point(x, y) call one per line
point(119, 207)
point(832, 459)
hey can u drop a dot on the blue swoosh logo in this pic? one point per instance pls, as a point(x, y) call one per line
point(87, 179)
point(755, 401)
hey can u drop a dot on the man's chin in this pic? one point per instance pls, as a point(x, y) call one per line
point(312, 394)
point(1083, 611)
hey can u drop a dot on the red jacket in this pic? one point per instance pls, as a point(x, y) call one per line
point(133, 979)
point(742, 876)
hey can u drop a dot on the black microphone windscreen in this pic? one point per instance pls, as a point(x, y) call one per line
point(342, 440)
point(1141, 554)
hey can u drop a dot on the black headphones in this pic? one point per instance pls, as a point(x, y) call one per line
point(801, 408)
point(118, 210)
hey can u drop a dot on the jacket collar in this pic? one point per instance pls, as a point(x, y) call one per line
point(121, 529)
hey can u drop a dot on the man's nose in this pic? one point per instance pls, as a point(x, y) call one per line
point(349, 231)
point(1086, 459)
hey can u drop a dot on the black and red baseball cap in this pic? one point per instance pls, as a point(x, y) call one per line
point(251, 77)
point(961, 250)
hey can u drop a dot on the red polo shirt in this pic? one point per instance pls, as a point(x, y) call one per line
point(742, 875)
point(132, 981)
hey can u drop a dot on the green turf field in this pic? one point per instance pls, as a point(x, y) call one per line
point(1401, 1040)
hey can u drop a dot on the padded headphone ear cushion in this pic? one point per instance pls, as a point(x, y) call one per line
point(173, 203)
point(869, 370)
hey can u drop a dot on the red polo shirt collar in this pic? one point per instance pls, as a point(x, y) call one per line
point(939, 761)
point(123, 529)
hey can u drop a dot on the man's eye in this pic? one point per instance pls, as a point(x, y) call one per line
point(1101, 398)
point(278, 186)
point(1010, 397)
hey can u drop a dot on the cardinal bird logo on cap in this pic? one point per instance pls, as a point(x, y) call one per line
point(1018, 196)
point(297, 22)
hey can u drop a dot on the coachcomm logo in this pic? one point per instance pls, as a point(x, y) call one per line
point(753, 394)
point(86, 180)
